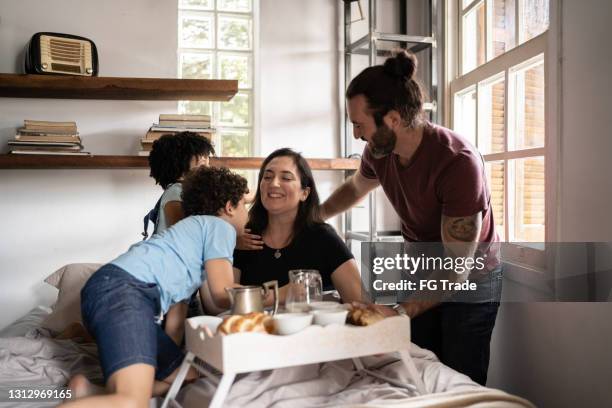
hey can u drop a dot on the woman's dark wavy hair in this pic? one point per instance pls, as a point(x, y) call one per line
point(172, 153)
point(308, 210)
point(206, 190)
point(391, 87)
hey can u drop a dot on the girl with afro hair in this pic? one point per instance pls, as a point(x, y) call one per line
point(171, 157)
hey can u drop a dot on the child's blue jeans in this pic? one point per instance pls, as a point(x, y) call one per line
point(120, 311)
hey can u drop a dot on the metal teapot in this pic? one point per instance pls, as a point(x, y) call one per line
point(247, 299)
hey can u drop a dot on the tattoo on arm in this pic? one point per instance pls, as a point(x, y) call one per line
point(463, 228)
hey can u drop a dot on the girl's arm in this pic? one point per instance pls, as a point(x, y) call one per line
point(173, 211)
point(175, 318)
point(346, 280)
point(175, 321)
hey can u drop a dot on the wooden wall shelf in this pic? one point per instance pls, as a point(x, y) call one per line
point(14, 161)
point(112, 88)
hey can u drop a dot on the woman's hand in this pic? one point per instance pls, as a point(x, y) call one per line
point(248, 241)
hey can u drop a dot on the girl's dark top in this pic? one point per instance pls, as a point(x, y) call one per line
point(317, 247)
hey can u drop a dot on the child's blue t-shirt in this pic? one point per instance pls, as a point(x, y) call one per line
point(174, 259)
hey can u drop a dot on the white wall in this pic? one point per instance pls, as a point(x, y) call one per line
point(559, 354)
point(54, 217)
point(299, 99)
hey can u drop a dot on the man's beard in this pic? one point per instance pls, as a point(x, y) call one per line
point(383, 142)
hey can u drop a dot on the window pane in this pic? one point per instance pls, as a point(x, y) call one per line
point(529, 123)
point(234, 5)
point(534, 18)
point(235, 67)
point(491, 116)
point(195, 107)
point(196, 31)
point(528, 199)
point(465, 115)
point(473, 38)
point(196, 66)
point(502, 26)
point(197, 4)
point(234, 33)
point(235, 143)
point(495, 178)
point(236, 111)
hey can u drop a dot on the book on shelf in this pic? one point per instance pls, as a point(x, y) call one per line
point(50, 148)
point(183, 123)
point(47, 138)
point(50, 152)
point(150, 137)
point(43, 132)
point(43, 143)
point(184, 117)
point(173, 129)
point(28, 123)
point(49, 125)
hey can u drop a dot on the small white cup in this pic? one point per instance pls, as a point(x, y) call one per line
point(324, 317)
point(212, 322)
point(324, 305)
point(289, 323)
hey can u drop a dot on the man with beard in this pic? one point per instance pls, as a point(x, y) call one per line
point(435, 180)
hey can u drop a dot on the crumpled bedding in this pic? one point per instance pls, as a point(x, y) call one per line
point(336, 384)
point(28, 356)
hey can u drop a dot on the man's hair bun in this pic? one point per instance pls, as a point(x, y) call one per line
point(403, 65)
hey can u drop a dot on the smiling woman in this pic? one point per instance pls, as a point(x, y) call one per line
point(286, 231)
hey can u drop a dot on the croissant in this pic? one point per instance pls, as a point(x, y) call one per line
point(364, 317)
point(252, 322)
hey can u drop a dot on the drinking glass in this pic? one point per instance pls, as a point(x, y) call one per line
point(305, 286)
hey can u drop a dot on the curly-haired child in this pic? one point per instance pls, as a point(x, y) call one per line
point(171, 157)
point(122, 300)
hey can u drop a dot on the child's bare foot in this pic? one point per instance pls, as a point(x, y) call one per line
point(82, 387)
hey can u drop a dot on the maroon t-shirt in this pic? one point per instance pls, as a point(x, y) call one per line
point(444, 176)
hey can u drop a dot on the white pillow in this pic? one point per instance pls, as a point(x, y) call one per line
point(69, 279)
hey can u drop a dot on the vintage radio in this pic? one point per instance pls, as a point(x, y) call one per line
point(54, 53)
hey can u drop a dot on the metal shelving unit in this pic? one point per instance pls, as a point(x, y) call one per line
point(369, 45)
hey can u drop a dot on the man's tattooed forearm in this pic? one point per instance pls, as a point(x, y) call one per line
point(462, 229)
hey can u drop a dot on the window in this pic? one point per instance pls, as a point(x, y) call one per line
point(216, 41)
point(498, 102)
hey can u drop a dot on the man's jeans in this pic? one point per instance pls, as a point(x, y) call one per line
point(460, 333)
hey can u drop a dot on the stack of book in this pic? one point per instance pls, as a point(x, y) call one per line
point(45, 137)
point(175, 123)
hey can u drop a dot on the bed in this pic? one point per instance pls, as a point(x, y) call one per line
point(30, 356)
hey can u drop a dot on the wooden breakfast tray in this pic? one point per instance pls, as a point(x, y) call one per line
point(245, 352)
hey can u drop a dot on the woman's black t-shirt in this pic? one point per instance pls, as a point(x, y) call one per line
point(317, 247)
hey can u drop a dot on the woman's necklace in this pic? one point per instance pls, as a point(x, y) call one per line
point(277, 252)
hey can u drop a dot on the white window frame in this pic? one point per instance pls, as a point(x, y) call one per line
point(548, 44)
point(253, 53)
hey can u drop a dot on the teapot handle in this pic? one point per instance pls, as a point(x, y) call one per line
point(272, 285)
point(230, 294)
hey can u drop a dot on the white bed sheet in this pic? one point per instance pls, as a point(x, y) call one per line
point(29, 357)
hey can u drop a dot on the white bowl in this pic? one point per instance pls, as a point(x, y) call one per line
point(289, 323)
point(212, 322)
point(324, 305)
point(324, 317)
